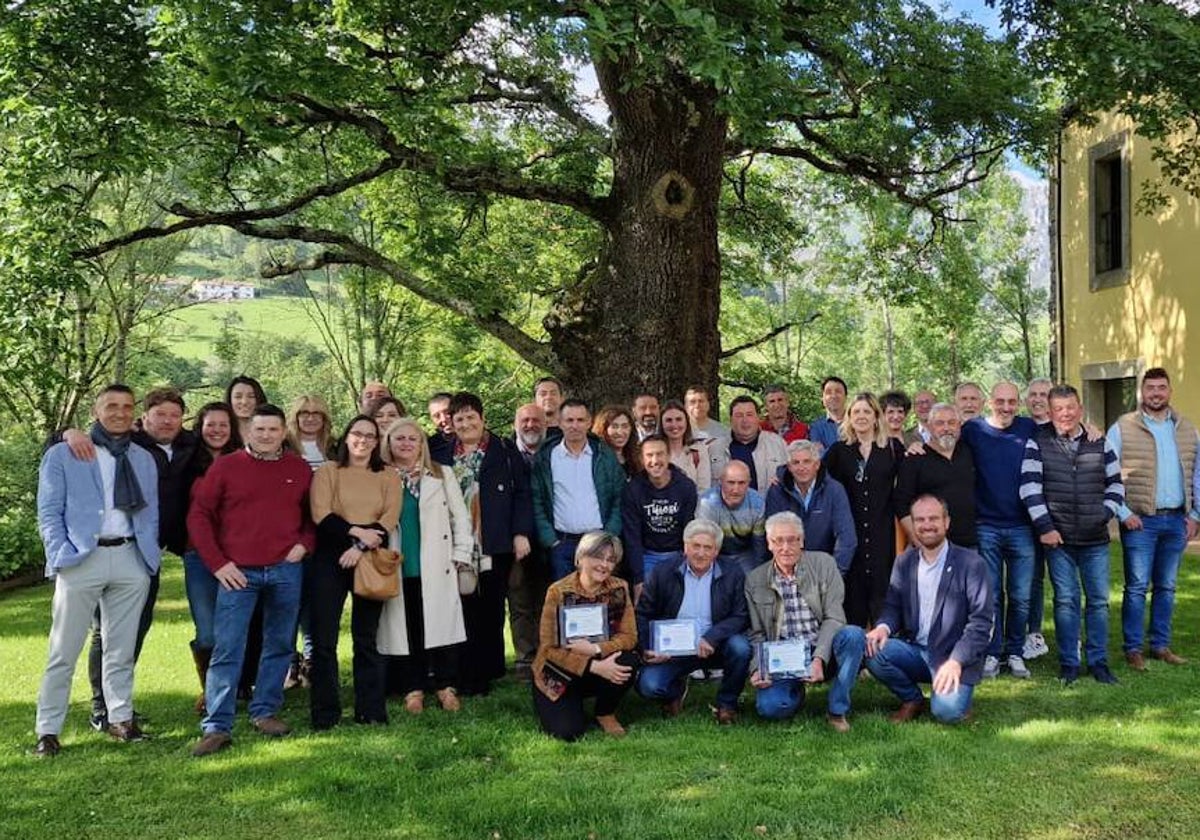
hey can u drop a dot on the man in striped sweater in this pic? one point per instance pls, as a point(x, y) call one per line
point(1072, 486)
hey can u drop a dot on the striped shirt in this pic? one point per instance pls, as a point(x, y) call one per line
point(1032, 491)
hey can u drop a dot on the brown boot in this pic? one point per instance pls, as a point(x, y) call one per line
point(201, 656)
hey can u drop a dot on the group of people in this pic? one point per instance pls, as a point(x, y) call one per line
point(846, 543)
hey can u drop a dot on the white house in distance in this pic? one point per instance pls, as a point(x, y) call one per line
point(222, 289)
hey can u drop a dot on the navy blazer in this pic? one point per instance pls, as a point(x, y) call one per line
point(962, 613)
point(662, 596)
point(505, 501)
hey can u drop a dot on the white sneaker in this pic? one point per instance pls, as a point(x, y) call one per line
point(714, 674)
point(1035, 646)
point(698, 674)
point(1017, 666)
point(991, 668)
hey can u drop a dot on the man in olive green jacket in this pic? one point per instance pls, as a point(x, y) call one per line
point(798, 595)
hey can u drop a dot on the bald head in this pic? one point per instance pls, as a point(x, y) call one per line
point(735, 483)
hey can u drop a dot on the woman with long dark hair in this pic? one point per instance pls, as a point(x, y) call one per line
point(243, 395)
point(614, 425)
point(216, 428)
point(355, 505)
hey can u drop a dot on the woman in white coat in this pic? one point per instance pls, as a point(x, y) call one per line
point(424, 626)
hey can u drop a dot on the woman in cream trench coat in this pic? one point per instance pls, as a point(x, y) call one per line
point(424, 624)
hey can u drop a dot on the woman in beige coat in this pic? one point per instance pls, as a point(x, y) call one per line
point(423, 626)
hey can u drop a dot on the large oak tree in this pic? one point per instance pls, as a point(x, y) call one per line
point(289, 120)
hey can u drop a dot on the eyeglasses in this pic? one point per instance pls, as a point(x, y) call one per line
point(785, 540)
point(366, 436)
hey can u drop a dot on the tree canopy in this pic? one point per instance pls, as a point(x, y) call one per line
point(556, 172)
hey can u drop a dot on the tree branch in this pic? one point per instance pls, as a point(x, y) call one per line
point(782, 328)
point(350, 250)
point(192, 218)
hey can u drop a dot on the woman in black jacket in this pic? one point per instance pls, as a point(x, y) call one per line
point(495, 485)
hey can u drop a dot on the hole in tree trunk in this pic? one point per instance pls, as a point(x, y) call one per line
point(673, 195)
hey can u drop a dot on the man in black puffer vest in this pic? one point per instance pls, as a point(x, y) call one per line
point(1072, 487)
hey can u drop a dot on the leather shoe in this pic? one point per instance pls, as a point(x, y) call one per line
point(212, 742)
point(672, 708)
point(126, 732)
point(1167, 655)
point(272, 727)
point(611, 725)
point(909, 711)
point(726, 717)
point(838, 723)
point(47, 746)
point(1067, 674)
point(1135, 660)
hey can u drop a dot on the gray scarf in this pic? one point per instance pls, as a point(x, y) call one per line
point(127, 493)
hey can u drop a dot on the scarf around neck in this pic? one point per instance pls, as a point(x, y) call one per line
point(127, 493)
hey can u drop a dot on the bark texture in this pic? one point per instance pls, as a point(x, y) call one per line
point(646, 318)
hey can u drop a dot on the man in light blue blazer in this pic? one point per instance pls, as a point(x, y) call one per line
point(936, 621)
point(99, 524)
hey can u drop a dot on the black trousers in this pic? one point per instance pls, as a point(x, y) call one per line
point(328, 585)
point(564, 718)
point(483, 613)
point(422, 669)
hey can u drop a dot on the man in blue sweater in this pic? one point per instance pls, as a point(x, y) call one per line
point(1006, 540)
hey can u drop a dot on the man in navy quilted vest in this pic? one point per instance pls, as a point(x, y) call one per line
point(1072, 487)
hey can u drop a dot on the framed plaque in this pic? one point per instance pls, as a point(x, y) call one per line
point(582, 622)
point(675, 637)
point(785, 659)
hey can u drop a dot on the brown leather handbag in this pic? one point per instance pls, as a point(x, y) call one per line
point(377, 575)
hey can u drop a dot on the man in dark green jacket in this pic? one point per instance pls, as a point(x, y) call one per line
point(577, 486)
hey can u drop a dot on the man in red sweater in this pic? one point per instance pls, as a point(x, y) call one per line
point(250, 522)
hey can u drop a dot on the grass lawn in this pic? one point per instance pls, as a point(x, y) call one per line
point(1040, 761)
point(195, 328)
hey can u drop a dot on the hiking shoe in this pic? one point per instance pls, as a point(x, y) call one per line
point(212, 742)
point(1102, 674)
point(991, 668)
point(1016, 666)
point(272, 727)
point(1035, 646)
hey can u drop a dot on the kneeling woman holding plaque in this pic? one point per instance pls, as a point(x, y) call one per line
point(587, 638)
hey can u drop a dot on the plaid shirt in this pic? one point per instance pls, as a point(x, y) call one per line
point(798, 619)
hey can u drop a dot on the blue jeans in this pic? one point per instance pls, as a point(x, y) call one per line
point(1152, 556)
point(783, 698)
point(1037, 589)
point(902, 665)
point(1069, 564)
point(201, 588)
point(663, 681)
point(1011, 550)
point(278, 587)
point(562, 559)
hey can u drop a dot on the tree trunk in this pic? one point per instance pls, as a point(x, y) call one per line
point(658, 280)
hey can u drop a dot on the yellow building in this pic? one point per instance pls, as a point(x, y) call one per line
point(1125, 282)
